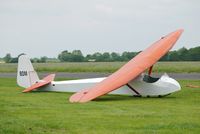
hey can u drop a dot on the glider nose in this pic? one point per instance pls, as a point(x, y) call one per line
point(173, 84)
point(176, 85)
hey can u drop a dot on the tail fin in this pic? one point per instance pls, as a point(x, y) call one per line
point(26, 75)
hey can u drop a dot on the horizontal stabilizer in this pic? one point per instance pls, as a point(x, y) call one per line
point(45, 81)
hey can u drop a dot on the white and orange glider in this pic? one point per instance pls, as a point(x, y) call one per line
point(128, 80)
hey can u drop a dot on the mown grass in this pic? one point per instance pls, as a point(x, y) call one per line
point(45, 112)
point(174, 67)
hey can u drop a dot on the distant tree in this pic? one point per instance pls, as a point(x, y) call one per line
point(182, 54)
point(33, 60)
point(97, 56)
point(7, 58)
point(128, 55)
point(194, 54)
point(13, 60)
point(39, 60)
point(43, 59)
point(89, 57)
point(125, 56)
point(77, 56)
point(65, 56)
point(106, 57)
point(115, 57)
point(165, 57)
point(173, 56)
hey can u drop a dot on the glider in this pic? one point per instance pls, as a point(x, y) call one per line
point(130, 79)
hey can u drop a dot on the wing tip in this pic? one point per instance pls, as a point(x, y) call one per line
point(24, 91)
point(27, 90)
point(79, 97)
point(181, 30)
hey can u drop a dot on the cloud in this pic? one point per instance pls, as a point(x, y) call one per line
point(104, 8)
point(93, 25)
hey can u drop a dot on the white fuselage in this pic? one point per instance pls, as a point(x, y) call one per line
point(137, 87)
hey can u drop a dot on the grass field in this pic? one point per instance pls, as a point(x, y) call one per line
point(176, 67)
point(42, 112)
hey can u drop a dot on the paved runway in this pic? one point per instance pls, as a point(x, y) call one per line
point(179, 76)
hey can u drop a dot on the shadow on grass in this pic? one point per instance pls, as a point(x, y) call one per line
point(111, 97)
point(47, 92)
point(125, 98)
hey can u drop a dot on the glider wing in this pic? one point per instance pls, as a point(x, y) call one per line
point(130, 70)
point(45, 81)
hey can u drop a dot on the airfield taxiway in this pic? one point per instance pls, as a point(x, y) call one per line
point(178, 76)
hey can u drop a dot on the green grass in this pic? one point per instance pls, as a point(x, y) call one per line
point(176, 67)
point(45, 112)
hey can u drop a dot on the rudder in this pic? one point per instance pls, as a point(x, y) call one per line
point(26, 75)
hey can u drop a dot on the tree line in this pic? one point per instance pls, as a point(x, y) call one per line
point(182, 54)
point(9, 59)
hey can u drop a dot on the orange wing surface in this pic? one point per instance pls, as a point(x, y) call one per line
point(130, 70)
point(46, 80)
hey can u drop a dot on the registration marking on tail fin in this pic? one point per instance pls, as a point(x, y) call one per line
point(45, 81)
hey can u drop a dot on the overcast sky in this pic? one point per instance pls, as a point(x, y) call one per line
point(47, 27)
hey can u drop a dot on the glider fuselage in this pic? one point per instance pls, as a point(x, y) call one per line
point(137, 87)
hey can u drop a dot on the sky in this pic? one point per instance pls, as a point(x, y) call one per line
point(47, 27)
